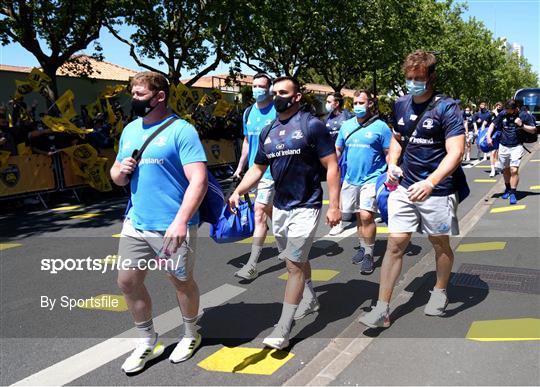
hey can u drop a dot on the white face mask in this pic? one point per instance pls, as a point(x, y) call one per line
point(329, 108)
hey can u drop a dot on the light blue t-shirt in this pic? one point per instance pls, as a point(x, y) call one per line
point(257, 120)
point(366, 159)
point(159, 183)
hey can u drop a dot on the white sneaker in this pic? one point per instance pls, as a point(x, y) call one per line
point(437, 304)
point(306, 307)
point(184, 349)
point(247, 273)
point(277, 339)
point(142, 353)
point(337, 229)
point(376, 318)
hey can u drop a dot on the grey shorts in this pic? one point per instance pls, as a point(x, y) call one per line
point(510, 156)
point(437, 215)
point(294, 231)
point(265, 192)
point(139, 248)
point(355, 198)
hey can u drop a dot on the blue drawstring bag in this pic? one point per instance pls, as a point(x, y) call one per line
point(381, 195)
point(342, 164)
point(209, 210)
point(234, 227)
point(482, 140)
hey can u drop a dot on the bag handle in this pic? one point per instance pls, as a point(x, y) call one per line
point(364, 125)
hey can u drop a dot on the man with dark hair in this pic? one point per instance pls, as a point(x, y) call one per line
point(425, 199)
point(298, 148)
point(167, 186)
point(256, 117)
point(470, 134)
point(333, 121)
point(510, 122)
point(366, 139)
point(481, 120)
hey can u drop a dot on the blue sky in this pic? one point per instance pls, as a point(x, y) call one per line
point(517, 20)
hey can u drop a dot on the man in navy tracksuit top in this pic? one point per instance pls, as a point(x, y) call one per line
point(299, 150)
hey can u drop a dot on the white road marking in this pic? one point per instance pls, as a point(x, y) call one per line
point(100, 354)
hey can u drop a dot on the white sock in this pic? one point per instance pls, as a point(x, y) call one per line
point(255, 254)
point(146, 331)
point(190, 327)
point(287, 316)
point(368, 249)
point(437, 290)
point(309, 292)
point(381, 305)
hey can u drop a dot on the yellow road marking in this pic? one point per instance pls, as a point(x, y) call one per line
point(116, 235)
point(498, 210)
point(382, 230)
point(483, 166)
point(66, 208)
point(535, 161)
point(109, 302)
point(268, 240)
point(485, 180)
point(505, 330)
point(88, 215)
point(326, 201)
point(5, 246)
point(483, 246)
point(534, 187)
point(257, 361)
point(317, 275)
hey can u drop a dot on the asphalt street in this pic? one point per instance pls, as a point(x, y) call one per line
point(42, 344)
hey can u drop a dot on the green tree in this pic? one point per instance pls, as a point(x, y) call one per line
point(281, 37)
point(54, 30)
point(186, 36)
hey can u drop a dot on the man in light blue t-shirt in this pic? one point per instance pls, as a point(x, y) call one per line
point(167, 186)
point(256, 117)
point(367, 140)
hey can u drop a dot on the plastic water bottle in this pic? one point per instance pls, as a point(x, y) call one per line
point(397, 173)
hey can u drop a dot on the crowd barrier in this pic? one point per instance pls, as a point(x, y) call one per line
point(36, 174)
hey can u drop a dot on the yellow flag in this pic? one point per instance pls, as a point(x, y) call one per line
point(222, 108)
point(65, 105)
point(60, 124)
point(38, 79)
point(94, 108)
point(23, 150)
point(111, 117)
point(112, 91)
point(96, 176)
point(4, 156)
point(22, 88)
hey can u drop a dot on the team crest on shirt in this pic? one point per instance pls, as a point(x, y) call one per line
point(428, 124)
point(369, 135)
point(126, 145)
point(401, 122)
point(280, 146)
point(297, 135)
point(161, 141)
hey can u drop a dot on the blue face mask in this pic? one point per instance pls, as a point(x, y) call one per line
point(260, 94)
point(360, 110)
point(416, 88)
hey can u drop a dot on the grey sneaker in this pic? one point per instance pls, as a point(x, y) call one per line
point(247, 273)
point(377, 318)
point(306, 307)
point(359, 256)
point(278, 339)
point(437, 304)
point(367, 265)
point(337, 229)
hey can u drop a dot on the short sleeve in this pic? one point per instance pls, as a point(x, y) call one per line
point(260, 156)
point(244, 121)
point(497, 122)
point(120, 154)
point(386, 135)
point(190, 148)
point(340, 140)
point(320, 137)
point(452, 121)
point(527, 119)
